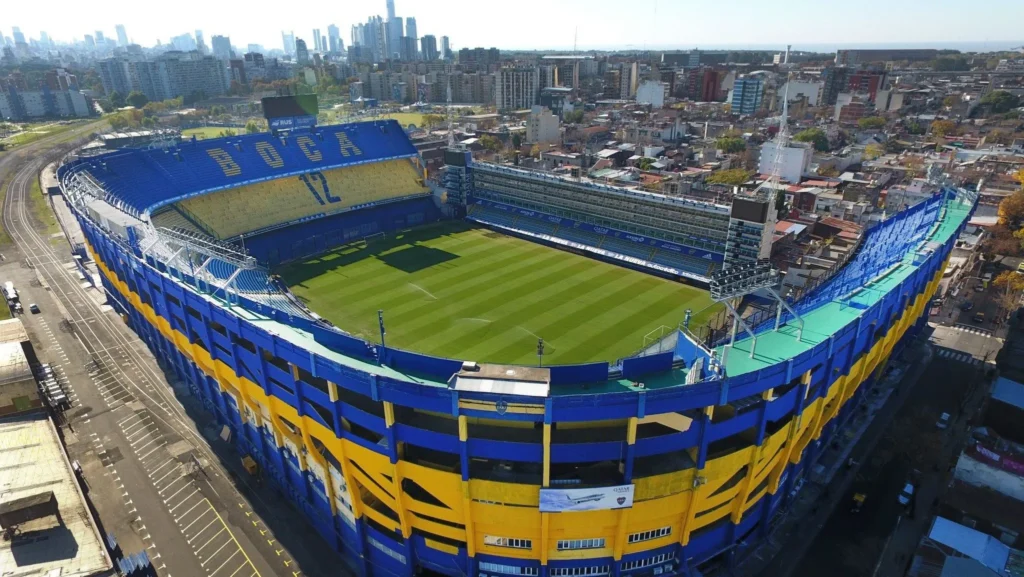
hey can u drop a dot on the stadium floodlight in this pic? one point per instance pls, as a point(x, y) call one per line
point(742, 279)
point(738, 281)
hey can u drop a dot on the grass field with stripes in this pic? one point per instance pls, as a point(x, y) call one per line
point(458, 291)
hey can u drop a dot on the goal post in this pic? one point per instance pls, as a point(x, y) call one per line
point(375, 237)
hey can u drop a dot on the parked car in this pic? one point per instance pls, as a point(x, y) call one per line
point(966, 306)
point(986, 277)
point(943, 421)
point(979, 317)
point(34, 308)
point(906, 495)
point(980, 287)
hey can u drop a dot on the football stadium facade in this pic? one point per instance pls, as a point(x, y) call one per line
point(405, 462)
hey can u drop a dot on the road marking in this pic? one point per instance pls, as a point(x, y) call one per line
point(167, 462)
point(151, 441)
point(171, 484)
point(184, 500)
point(185, 528)
point(153, 450)
point(214, 554)
point(215, 535)
point(219, 567)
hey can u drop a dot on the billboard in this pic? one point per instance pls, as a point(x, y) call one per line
point(284, 106)
point(292, 122)
point(592, 499)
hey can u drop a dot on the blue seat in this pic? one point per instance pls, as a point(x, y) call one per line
point(139, 180)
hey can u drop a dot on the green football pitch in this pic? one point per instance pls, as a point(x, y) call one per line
point(458, 291)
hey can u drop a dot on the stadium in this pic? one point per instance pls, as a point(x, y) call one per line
point(439, 434)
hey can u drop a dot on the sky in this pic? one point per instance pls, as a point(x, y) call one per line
point(551, 24)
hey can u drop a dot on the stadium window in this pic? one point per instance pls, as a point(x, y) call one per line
point(572, 544)
point(508, 569)
point(642, 563)
point(194, 313)
point(218, 328)
point(510, 542)
point(649, 535)
point(592, 571)
point(173, 300)
point(244, 343)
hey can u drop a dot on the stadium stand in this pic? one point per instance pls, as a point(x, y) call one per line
point(172, 218)
point(139, 181)
point(284, 200)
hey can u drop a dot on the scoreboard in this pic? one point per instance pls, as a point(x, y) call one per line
point(290, 112)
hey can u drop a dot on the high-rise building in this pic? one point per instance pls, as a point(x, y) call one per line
point(90, 42)
point(357, 38)
point(288, 40)
point(170, 75)
point(746, 95)
point(44, 39)
point(428, 47)
point(19, 38)
point(393, 46)
point(221, 47)
point(316, 40)
point(517, 87)
point(200, 44)
point(410, 28)
point(334, 43)
point(301, 53)
point(834, 80)
point(408, 51)
point(100, 40)
point(391, 9)
point(184, 42)
point(446, 48)
point(122, 35)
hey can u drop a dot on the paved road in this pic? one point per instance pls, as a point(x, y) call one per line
point(850, 544)
point(156, 478)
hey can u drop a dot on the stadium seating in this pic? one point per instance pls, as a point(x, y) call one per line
point(683, 262)
point(258, 206)
point(140, 180)
point(626, 247)
point(883, 246)
point(254, 284)
point(579, 235)
point(541, 226)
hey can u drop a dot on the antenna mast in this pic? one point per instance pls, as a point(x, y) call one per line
point(781, 142)
point(450, 115)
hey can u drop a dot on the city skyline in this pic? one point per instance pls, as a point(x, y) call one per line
point(596, 24)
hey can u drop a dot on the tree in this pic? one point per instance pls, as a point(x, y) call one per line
point(1000, 101)
point(645, 163)
point(126, 119)
point(730, 144)
point(871, 123)
point(517, 141)
point(491, 143)
point(535, 151)
point(137, 99)
point(1010, 281)
point(1011, 210)
point(815, 136)
point(430, 120)
point(116, 99)
point(574, 117)
point(227, 132)
point(952, 100)
point(950, 63)
point(732, 176)
point(943, 128)
point(914, 127)
point(874, 150)
point(828, 171)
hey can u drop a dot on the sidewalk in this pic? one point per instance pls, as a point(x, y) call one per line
point(795, 528)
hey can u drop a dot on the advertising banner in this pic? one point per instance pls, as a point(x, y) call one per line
point(593, 499)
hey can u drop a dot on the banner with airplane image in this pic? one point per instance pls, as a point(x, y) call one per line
point(592, 499)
